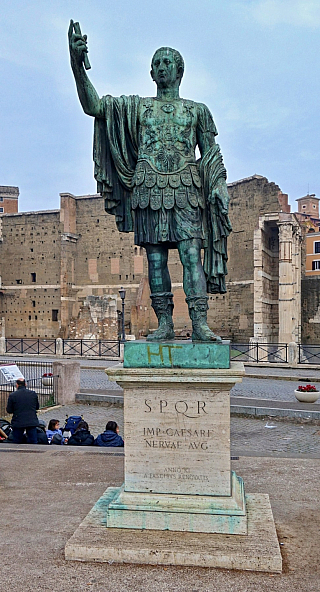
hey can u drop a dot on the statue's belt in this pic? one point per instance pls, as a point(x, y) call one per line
point(179, 188)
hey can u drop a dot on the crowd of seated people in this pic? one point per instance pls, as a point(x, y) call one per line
point(81, 435)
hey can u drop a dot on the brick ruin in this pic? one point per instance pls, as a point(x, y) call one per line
point(61, 271)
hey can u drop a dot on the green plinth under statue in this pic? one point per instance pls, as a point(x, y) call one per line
point(146, 169)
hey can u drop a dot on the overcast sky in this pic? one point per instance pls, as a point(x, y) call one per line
point(255, 63)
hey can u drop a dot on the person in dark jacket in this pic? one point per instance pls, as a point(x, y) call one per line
point(81, 436)
point(41, 432)
point(110, 437)
point(23, 404)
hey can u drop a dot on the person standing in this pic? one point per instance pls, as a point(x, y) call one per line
point(23, 404)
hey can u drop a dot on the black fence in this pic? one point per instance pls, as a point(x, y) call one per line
point(276, 353)
point(91, 347)
point(70, 347)
point(309, 354)
point(46, 387)
point(30, 346)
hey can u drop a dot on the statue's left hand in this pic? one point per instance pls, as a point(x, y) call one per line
point(221, 196)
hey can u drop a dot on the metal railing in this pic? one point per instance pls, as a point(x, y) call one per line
point(275, 353)
point(91, 347)
point(30, 346)
point(70, 347)
point(33, 373)
point(309, 354)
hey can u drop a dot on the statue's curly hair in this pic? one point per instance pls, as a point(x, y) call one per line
point(177, 58)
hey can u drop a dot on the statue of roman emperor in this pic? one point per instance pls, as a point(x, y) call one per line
point(146, 169)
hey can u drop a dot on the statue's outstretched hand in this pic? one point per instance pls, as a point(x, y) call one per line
point(78, 45)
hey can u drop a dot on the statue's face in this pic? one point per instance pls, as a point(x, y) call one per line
point(164, 69)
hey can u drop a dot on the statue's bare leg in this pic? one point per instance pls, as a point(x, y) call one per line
point(161, 295)
point(194, 284)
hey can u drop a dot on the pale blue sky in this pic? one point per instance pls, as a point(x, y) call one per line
point(255, 63)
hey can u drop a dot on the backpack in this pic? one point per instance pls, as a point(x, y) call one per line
point(56, 439)
point(6, 427)
point(72, 423)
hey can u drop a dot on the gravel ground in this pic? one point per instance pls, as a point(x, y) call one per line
point(97, 380)
point(44, 497)
point(258, 388)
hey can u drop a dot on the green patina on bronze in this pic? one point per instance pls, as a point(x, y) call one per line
point(176, 354)
point(146, 169)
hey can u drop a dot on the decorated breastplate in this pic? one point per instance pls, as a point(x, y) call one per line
point(167, 133)
point(166, 172)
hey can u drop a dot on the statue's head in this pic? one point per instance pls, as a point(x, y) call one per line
point(167, 67)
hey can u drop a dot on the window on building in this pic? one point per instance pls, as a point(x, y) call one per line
point(33, 277)
point(1, 198)
point(33, 303)
point(1, 210)
point(317, 247)
point(55, 314)
point(315, 265)
point(19, 281)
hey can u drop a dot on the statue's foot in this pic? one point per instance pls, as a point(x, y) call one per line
point(203, 333)
point(161, 334)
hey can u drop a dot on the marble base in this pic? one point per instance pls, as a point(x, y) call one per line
point(258, 551)
point(177, 429)
point(187, 513)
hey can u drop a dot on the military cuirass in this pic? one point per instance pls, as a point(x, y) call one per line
point(166, 172)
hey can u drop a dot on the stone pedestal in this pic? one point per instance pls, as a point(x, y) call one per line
point(178, 476)
point(177, 439)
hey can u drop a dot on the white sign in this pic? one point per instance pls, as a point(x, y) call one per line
point(11, 372)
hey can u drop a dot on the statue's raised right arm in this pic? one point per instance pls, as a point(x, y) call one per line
point(88, 95)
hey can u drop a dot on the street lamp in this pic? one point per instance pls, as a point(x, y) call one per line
point(122, 293)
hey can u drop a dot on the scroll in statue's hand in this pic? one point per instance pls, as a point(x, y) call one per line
point(78, 45)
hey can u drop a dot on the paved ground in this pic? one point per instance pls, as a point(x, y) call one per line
point(47, 491)
point(248, 436)
point(45, 496)
point(256, 388)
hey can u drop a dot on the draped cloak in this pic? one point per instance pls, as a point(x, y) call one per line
point(115, 154)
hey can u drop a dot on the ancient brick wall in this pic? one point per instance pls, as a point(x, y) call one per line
point(310, 310)
point(30, 274)
point(78, 253)
point(231, 315)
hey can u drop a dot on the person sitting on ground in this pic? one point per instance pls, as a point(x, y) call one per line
point(110, 437)
point(41, 432)
point(54, 430)
point(81, 436)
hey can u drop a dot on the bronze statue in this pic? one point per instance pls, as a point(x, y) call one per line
point(145, 167)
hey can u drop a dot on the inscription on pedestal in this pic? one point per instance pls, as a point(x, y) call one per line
point(177, 441)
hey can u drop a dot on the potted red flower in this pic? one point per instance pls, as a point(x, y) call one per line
point(47, 379)
point(307, 394)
